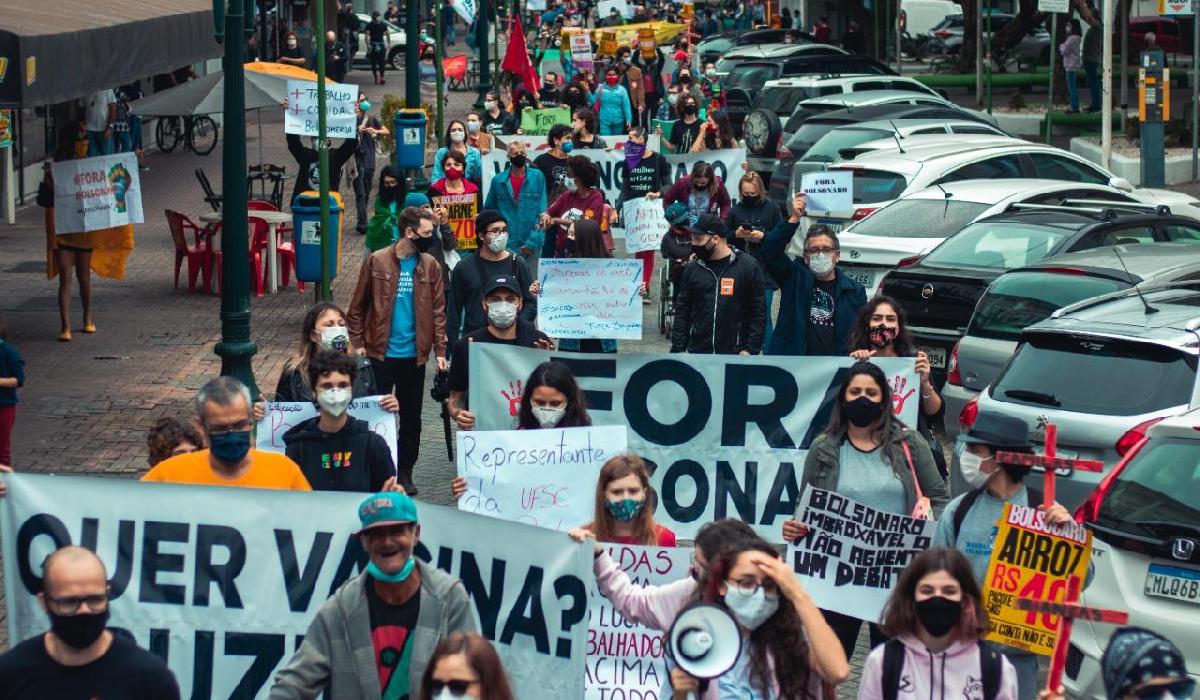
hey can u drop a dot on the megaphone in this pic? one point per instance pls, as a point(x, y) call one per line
point(704, 641)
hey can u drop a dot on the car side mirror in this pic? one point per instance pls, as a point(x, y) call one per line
point(1121, 184)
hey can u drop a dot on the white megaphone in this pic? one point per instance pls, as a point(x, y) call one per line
point(704, 641)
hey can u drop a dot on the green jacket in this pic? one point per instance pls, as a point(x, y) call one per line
point(381, 230)
point(1093, 44)
point(821, 466)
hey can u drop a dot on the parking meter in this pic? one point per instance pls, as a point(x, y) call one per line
point(1154, 109)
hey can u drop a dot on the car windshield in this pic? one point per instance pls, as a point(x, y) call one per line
point(920, 218)
point(751, 78)
point(1096, 375)
point(877, 185)
point(1000, 244)
point(1018, 300)
point(826, 149)
point(1158, 488)
point(783, 100)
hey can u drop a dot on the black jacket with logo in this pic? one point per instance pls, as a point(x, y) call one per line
point(352, 459)
point(720, 308)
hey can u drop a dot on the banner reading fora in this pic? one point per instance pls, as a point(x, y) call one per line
point(96, 193)
point(726, 435)
point(223, 582)
point(1031, 559)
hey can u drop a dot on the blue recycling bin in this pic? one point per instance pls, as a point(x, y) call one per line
point(409, 127)
point(306, 235)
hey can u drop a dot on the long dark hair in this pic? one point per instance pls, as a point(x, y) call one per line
point(704, 169)
point(589, 243)
point(558, 376)
point(837, 420)
point(392, 172)
point(900, 611)
point(483, 659)
point(619, 467)
point(860, 336)
point(725, 137)
point(450, 145)
point(584, 171)
point(780, 641)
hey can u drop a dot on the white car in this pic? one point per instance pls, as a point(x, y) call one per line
point(1145, 520)
point(395, 48)
point(913, 225)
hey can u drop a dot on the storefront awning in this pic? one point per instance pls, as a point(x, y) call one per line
point(57, 50)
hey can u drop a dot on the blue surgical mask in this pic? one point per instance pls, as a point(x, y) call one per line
point(364, 106)
point(625, 510)
point(230, 448)
point(568, 147)
point(399, 577)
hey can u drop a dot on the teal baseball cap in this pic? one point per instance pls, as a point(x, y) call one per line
point(387, 508)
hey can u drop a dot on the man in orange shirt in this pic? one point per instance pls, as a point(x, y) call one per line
point(223, 416)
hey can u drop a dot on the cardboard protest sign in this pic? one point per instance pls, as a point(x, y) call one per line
point(581, 52)
point(853, 553)
point(301, 115)
point(1031, 559)
point(544, 478)
point(462, 209)
point(645, 224)
point(282, 416)
point(537, 122)
point(726, 435)
point(625, 659)
point(222, 583)
point(97, 193)
point(647, 43)
point(590, 298)
point(828, 190)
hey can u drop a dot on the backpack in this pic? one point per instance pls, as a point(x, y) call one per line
point(990, 666)
point(960, 513)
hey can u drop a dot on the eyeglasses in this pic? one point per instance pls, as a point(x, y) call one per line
point(496, 232)
point(239, 427)
point(458, 688)
point(1179, 690)
point(70, 605)
point(750, 586)
point(816, 251)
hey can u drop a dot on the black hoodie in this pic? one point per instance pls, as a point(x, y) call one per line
point(352, 459)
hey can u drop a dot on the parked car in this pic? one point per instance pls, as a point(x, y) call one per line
point(747, 83)
point(1022, 297)
point(939, 291)
point(1102, 374)
point(921, 16)
point(1034, 47)
point(773, 52)
point(1145, 520)
point(395, 51)
point(900, 233)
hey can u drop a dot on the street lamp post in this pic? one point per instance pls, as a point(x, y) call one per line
point(235, 348)
point(324, 292)
point(412, 78)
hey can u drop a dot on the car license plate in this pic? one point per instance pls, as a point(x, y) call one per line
point(1174, 582)
point(834, 225)
point(937, 357)
point(864, 277)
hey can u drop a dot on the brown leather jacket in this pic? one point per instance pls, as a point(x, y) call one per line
point(370, 313)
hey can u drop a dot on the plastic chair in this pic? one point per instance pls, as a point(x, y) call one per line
point(197, 255)
point(260, 231)
point(255, 257)
point(214, 200)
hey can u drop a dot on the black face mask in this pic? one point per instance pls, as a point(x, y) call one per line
point(863, 411)
point(699, 187)
point(685, 79)
point(689, 109)
point(423, 244)
point(751, 201)
point(390, 194)
point(702, 252)
point(517, 161)
point(79, 631)
point(939, 615)
point(1016, 472)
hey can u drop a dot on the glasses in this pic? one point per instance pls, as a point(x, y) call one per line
point(750, 586)
point(239, 427)
point(816, 251)
point(457, 688)
point(70, 605)
point(1179, 690)
point(496, 232)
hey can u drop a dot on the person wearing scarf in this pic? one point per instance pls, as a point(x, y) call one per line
point(646, 174)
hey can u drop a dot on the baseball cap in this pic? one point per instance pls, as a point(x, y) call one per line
point(676, 214)
point(386, 508)
point(681, 56)
point(709, 225)
point(502, 282)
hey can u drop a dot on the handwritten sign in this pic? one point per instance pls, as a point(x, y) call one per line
point(282, 416)
point(853, 554)
point(581, 52)
point(545, 478)
point(301, 114)
point(645, 224)
point(590, 298)
point(462, 209)
point(625, 659)
point(537, 122)
point(1031, 559)
point(831, 190)
point(96, 193)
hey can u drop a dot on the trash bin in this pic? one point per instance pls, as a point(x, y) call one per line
point(306, 235)
point(409, 127)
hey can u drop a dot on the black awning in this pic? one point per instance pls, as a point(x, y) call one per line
point(57, 50)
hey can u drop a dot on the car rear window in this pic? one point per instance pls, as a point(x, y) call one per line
point(826, 149)
point(1096, 375)
point(920, 218)
point(1018, 300)
point(1158, 488)
point(1000, 244)
point(877, 186)
point(782, 101)
point(751, 77)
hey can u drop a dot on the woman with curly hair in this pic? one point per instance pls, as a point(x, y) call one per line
point(582, 199)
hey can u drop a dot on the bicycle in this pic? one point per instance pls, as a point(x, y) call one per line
point(198, 134)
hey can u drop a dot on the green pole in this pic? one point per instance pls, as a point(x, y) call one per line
point(412, 74)
point(235, 348)
point(437, 61)
point(481, 41)
point(987, 57)
point(324, 292)
point(1053, 50)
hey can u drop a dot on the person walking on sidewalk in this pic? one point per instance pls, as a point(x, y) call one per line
point(12, 377)
point(469, 281)
point(369, 130)
point(397, 318)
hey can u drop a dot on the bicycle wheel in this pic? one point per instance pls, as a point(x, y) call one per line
point(167, 133)
point(203, 136)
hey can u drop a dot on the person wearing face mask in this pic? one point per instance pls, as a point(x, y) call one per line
point(427, 75)
point(337, 58)
point(336, 451)
point(497, 120)
point(552, 399)
point(445, 250)
point(622, 515)
point(550, 94)
point(307, 170)
point(465, 666)
point(381, 230)
point(577, 94)
point(716, 134)
point(633, 80)
point(553, 164)
point(969, 520)
point(397, 318)
point(613, 105)
point(467, 311)
point(369, 131)
point(867, 454)
point(687, 130)
point(375, 636)
point(712, 89)
point(454, 178)
point(719, 307)
point(476, 136)
point(818, 303)
point(937, 621)
point(583, 128)
point(748, 222)
point(582, 199)
point(79, 657)
point(456, 140)
point(290, 53)
point(668, 109)
point(703, 192)
point(223, 416)
point(646, 173)
point(519, 194)
point(1139, 664)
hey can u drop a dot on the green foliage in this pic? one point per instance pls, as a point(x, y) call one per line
point(391, 105)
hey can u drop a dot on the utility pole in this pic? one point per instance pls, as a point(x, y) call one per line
point(323, 291)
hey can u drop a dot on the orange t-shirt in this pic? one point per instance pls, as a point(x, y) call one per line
point(268, 470)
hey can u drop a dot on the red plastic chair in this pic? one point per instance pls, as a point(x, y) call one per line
point(255, 261)
point(197, 255)
point(283, 245)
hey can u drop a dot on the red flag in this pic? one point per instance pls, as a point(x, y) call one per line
point(516, 59)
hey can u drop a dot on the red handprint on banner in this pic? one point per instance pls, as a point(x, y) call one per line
point(514, 396)
point(899, 396)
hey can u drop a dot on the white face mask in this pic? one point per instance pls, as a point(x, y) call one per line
point(489, 105)
point(548, 416)
point(751, 611)
point(473, 126)
point(821, 263)
point(502, 314)
point(569, 183)
point(498, 243)
point(334, 401)
point(447, 695)
point(291, 43)
point(335, 338)
point(458, 135)
point(970, 466)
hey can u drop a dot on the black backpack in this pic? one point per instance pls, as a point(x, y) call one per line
point(990, 665)
point(960, 513)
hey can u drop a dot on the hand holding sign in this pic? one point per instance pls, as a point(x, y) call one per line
point(300, 114)
point(831, 190)
point(645, 224)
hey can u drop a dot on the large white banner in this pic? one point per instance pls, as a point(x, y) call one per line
point(282, 416)
point(725, 435)
point(544, 478)
point(467, 9)
point(301, 116)
point(96, 193)
point(223, 582)
point(590, 298)
point(625, 659)
point(852, 555)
